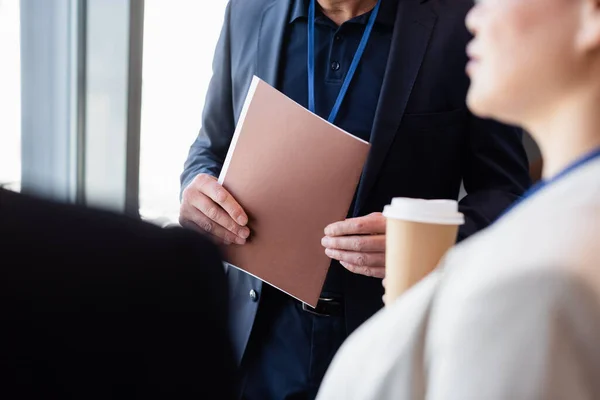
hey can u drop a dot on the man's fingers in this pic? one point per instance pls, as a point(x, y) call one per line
point(209, 208)
point(367, 225)
point(194, 219)
point(359, 259)
point(363, 243)
point(374, 272)
point(215, 239)
point(214, 211)
point(217, 193)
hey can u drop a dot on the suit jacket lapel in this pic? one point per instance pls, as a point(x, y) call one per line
point(414, 23)
point(270, 40)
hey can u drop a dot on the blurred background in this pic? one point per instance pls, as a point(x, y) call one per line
point(101, 99)
point(70, 72)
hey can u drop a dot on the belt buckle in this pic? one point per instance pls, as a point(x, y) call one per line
point(309, 309)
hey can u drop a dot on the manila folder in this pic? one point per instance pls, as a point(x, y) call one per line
point(293, 173)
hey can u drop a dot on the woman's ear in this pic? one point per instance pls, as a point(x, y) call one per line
point(588, 39)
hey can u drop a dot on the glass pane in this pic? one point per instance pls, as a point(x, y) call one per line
point(179, 41)
point(10, 95)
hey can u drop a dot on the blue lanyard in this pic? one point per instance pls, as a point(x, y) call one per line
point(543, 184)
point(353, 66)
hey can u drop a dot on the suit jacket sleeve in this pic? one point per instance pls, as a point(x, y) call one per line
point(532, 336)
point(207, 153)
point(495, 173)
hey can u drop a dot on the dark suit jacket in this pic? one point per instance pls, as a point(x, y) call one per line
point(424, 140)
point(99, 306)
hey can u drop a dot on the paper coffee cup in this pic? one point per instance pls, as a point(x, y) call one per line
point(418, 234)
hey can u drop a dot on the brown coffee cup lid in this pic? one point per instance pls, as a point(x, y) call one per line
point(443, 212)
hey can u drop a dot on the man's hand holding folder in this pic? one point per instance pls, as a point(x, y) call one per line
point(358, 244)
point(207, 206)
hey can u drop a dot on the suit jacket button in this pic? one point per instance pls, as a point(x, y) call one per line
point(253, 295)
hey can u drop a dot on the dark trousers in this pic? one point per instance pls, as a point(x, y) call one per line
point(289, 350)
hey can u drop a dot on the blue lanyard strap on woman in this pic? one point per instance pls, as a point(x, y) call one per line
point(353, 66)
point(593, 155)
point(575, 165)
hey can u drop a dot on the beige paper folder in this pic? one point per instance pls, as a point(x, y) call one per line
point(293, 173)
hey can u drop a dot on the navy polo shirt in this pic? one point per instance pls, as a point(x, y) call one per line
point(334, 50)
point(335, 47)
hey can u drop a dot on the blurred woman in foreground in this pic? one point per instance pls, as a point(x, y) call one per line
point(514, 312)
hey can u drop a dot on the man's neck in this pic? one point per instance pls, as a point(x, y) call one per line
point(340, 11)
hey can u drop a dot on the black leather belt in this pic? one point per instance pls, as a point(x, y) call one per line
point(326, 307)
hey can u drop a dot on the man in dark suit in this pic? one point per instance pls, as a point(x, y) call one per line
point(407, 98)
point(100, 306)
